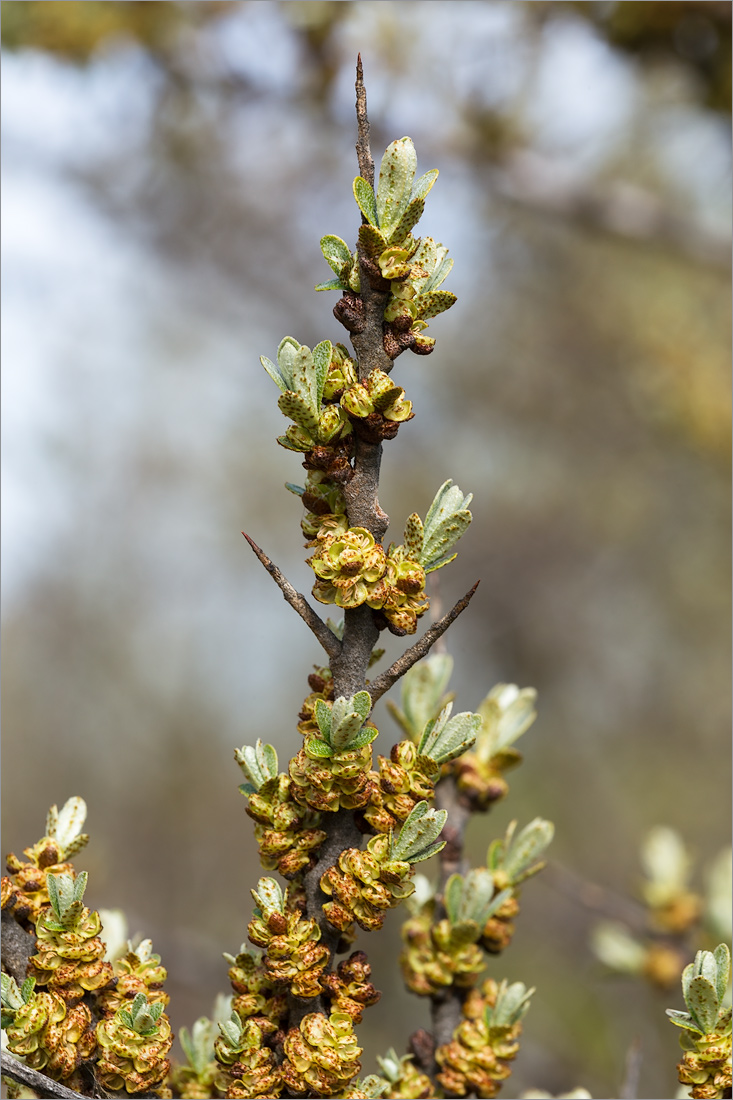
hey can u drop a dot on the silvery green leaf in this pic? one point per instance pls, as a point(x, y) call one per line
point(452, 895)
point(198, 1044)
point(346, 730)
point(232, 1031)
point(287, 360)
point(666, 864)
point(365, 200)
point(332, 284)
point(66, 826)
point(426, 853)
point(323, 719)
point(512, 1003)
point(321, 359)
point(371, 1087)
point(702, 1002)
point(126, 1017)
point(319, 748)
point(365, 736)
point(418, 833)
point(430, 305)
point(297, 490)
point(687, 975)
point(12, 997)
point(421, 188)
point(273, 372)
point(613, 944)
point(362, 704)
point(524, 849)
point(507, 712)
point(269, 896)
point(441, 271)
point(258, 764)
point(336, 253)
point(449, 737)
point(722, 958)
point(447, 519)
point(682, 1019)
point(26, 990)
point(391, 1064)
point(396, 175)
point(422, 693)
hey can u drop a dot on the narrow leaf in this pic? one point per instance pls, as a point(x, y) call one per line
point(365, 200)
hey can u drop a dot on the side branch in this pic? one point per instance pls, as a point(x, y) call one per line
point(387, 679)
point(44, 1086)
point(326, 637)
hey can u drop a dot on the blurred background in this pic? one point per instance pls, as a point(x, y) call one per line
point(168, 171)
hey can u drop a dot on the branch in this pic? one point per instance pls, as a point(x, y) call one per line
point(18, 946)
point(326, 637)
point(387, 679)
point(44, 1086)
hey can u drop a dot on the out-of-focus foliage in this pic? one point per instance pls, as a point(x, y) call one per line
point(75, 29)
point(697, 31)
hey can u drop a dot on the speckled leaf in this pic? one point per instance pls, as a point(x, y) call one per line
point(365, 736)
point(319, 748)
point(269, 896)
point(682, 1019)
point(287, 357)
point(298, 409)
point(413, 536)
point(337, 254)
point(67, 826)
point(346, 729)
point(371, 240)
point(396, 175)
point(295, 440)
point(447, 739)
point(430, 305)
point(722, 958)
point(323, 718)
point(409, 219)
point(419, 832)
point(447, 519)
point(332, 284)
point(440, 272)
point(426, 853)
point(321, 359)
point(702, 1001)
point(366, 200)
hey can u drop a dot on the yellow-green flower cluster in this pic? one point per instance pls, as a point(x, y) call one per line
point(255, 994)
point(506, 713)
point(25, 891)
point(50, 1035)
point(322, 1055)
point(352, 569)
point(403, 780)
point(295, 957)
point(134, 1045)
point(477, 1060)
point(70, 955)
point(349, 987)
point(288, 834)
point(365, 884)
point(249, 1070)
point(332, 770)
point(405, 1081)
point(139, 970)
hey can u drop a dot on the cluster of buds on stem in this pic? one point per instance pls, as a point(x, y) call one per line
point(25, 890)
point(409, 270)
point(477, 1060)
point(706, 1025)
point(409, 775)
point(287, 833)
point(295, 958)
point(365, 884)
point(332, 770)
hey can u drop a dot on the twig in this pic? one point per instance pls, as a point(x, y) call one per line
point(44, 1086)
point(18, 946)
point(363, 152)
point(326, 637)
point(632, 1071)
point(385, 681)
